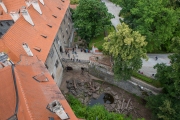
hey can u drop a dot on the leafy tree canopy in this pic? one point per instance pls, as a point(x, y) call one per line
point(91, 17)
point(127, 47)
point(157, 20)
point(167, 105)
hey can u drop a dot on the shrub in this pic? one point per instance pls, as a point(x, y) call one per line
point(94, 112)
point(146, 79)
point(74, 2)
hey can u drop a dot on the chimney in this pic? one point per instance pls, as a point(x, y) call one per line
point(26, 15)
point(36, 6)
point(42, 2)
point(14, 15)
point(3, 6)
point(57, 108)
point(27, 49)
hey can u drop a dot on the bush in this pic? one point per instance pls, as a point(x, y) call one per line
point(146, 79)
point(94, 112)
point(74, 2)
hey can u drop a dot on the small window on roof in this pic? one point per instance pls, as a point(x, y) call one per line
point(37, 49)
point(54, 16)
point(62, 0)
point(52, 76)
point(44, 36)
point(49, 25)
point(8, 23)
point(59, 8)
point(1, 24)
point(41, 78)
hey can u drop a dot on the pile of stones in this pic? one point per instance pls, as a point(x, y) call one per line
point(83, 90)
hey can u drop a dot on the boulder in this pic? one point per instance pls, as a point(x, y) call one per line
point(95, 96)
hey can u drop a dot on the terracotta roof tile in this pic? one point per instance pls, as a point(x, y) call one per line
point(37, 95)
point(4, 15)
point(4, 48)
point(34, 96)
point(13, 5)
point(7, 94)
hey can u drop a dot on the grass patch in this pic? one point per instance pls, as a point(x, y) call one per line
point(147, 79)
point(76, 38)
point(99, 40)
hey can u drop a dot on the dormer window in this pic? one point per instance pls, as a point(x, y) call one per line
point(49, 25)
point(1, 24)
point(54, 16)
point(27, 49)
point(59, 8)
point(44, 36)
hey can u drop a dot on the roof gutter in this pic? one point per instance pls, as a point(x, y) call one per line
point(14, 117)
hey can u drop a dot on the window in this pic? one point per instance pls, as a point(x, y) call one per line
point(46, 66)
point(66, 30)
point(59, 8)
point(44, 36)
point(51, 53)
point(64, 21)
point(57, 63)
point(57, 39)
point(49, 25)
point(52, 76)
point(63, 36)
point(54, 16)
point(8, 23)
point(1, 24)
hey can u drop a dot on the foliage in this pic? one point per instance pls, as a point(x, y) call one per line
point(127, 47)
point(147, 79)
point(99, 40)
point(157, 20)
point(91, 18)
point(167, 105)
point(74, 2)
point(94, 112)
point(91, 113)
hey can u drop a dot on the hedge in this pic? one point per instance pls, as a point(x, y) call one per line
point(146, 79)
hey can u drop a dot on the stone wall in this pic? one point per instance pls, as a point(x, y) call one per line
point(53, 61)
point(129, 86)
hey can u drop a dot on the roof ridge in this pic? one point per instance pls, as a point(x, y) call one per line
point(23, 94)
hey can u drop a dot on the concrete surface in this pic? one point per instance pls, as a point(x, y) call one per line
point(147, 67)
point(113, 9)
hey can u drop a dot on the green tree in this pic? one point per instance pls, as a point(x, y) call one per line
point(127, 47)
point(91, 18)
point(157, 20)
point(167, 105)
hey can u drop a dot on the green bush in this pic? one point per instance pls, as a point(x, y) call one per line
point(74, 1)
point(146, 79)
point(94, 112)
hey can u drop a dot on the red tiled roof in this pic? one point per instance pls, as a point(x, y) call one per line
point(4, 16)
point(13, 5)
point(34, 96)
point(22, 31)
point(4, 48)
point(7, 94)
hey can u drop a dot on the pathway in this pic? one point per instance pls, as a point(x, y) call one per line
point(113, 9)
